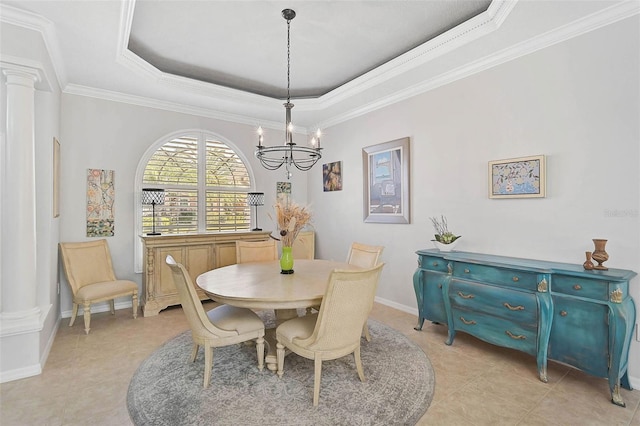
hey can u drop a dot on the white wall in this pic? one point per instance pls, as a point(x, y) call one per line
point(101, 134)
point(576, 102)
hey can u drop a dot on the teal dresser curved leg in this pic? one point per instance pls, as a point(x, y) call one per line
point(418, 287)
point(545, 315)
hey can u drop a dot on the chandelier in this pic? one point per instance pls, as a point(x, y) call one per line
point(289, 154)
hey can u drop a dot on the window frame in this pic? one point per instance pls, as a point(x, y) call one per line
point(201, 135)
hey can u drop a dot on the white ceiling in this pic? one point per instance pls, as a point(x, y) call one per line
point(227, 59)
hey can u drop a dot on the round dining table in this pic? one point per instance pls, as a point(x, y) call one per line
point(260, 285)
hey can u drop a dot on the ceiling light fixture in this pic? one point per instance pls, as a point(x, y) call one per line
point(302, 157)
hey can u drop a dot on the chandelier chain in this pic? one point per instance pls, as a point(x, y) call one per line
point(288, 60)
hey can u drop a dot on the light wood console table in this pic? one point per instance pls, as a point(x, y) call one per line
point(198, 253)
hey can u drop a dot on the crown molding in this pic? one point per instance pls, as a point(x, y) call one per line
point(128, 59)
point(579, 27)
point(34, 22)
point(74, 89)
point(468, 31)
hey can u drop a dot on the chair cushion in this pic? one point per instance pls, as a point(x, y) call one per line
point(297, 328)
point(231, 318)
point(105, 290)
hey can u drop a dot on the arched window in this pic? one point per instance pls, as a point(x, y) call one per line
point(205, 183)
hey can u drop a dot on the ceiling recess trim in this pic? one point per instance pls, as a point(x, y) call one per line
point(468, 31)
point(581, 26)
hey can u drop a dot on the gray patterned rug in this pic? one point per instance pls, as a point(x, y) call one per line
point(167, 389)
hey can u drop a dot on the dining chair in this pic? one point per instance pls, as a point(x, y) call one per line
point(364, 256)
point(89, 271)
point(304, 245)
point(222, 326)
point(336, 329)
point(256, 251)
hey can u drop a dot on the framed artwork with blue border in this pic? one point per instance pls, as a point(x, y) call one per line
point(523, 177)
point(386, 182)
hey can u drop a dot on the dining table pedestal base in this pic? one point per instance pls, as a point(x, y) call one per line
point(270, 358)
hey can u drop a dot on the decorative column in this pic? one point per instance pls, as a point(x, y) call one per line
point(20, 312)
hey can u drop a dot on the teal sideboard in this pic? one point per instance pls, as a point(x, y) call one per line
point(550, 310)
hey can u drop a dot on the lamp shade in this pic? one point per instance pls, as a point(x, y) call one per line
point(255, 198)
point(152, 196)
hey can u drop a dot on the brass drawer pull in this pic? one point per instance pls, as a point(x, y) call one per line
point(577, 287)
point(513, 308)
point(466, 271)
point(467, 322)
point(435, 263)
point(515, 279)
point(439, 285)
point(563, 313)
point(465, 296)
point(516, 337)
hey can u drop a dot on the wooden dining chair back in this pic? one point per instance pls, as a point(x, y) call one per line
point(364, 256)
point(222, 326)
point(335, 330)
point(256, 251)
point(304, 245)
point(89, 271)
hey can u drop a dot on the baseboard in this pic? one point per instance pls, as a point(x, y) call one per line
point(633, 381)
point(20, 373)
point(99, 307)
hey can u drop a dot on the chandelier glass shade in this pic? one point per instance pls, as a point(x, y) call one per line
point(289, 154)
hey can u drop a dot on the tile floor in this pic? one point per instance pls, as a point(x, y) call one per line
point(85, 379)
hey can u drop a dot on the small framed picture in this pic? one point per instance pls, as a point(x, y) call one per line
point(522, 177)
point(332, 176)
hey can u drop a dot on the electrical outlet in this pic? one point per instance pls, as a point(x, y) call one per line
point(58, 287)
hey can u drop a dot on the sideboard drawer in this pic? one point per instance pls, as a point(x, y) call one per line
point(514, 305)
point(433, 263)
point(583, 287)
point(496, 331)
point(495, 275)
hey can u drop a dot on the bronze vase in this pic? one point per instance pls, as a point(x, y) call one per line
point(588, 264)
point(599, 254)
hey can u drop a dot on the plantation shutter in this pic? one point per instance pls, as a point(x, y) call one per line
point(177, 167)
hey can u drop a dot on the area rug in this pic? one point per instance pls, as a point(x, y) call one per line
point(167, 389)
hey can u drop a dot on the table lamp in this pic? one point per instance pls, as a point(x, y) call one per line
point(154, 197)
point(255, 199)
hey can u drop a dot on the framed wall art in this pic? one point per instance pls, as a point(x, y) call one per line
point(283, 192)
point(56, 178)
point(522, 177)
point(386, 182)
point(100, 203)
point(332, 176)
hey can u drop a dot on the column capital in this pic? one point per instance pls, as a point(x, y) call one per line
point(31, 74)
point(21, 75)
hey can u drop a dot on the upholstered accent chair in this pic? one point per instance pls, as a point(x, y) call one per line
point(222, 326)
point(256, 251)
point(336, 329)
point(304, 245)
point(89, 271)
point(364, 256)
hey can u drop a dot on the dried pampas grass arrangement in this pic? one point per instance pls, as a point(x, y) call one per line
point(291, 218)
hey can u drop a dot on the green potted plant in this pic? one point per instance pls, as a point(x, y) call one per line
point(445, 240)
